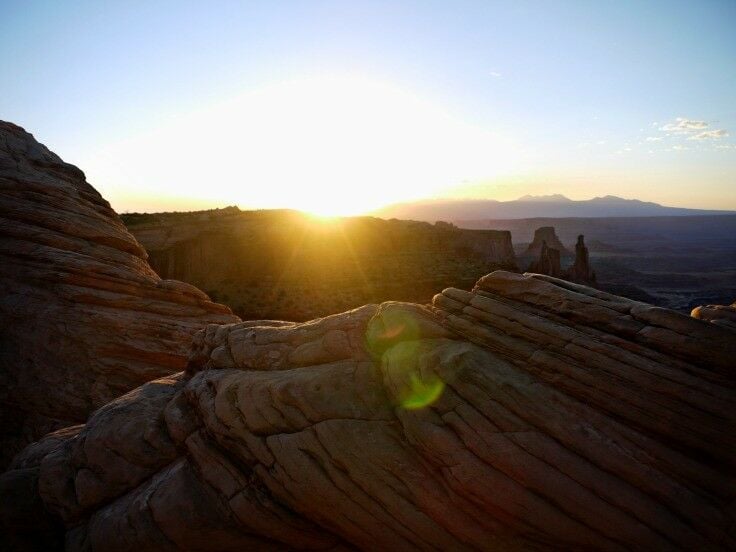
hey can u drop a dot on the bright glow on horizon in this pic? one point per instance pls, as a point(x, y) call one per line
point(339, 107)
point(329, 146)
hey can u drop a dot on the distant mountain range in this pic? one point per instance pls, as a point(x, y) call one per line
point(548, 206)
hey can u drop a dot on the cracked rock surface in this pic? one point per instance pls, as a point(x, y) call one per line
point(528, 414)
point(83, 317)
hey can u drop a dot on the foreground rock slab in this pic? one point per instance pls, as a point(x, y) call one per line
point(528, 414)
point(83, 317)
point(723, 315)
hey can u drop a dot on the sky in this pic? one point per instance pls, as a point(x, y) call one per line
point(343, 107)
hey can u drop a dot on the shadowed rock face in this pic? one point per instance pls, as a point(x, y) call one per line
point(83, 318)
point(579, 272)
point(542, 235)
point(531, 413)
point(548, 262)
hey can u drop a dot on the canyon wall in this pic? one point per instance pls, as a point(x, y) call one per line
point(288, 265)
point(83, 317)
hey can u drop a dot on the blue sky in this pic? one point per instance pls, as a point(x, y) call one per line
point(636, 99)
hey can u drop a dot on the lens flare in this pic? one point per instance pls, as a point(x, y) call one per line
point(422, 393)
point(394, 338)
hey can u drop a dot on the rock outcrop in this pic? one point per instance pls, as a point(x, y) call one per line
point(287, 265)
point(545, 235)
point(579, 272)
point(83, 318)
point(548, 262)
point(723, 315)
point(530, 413)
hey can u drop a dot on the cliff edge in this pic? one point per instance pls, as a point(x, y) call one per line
point(287, 265)
point(83, 318)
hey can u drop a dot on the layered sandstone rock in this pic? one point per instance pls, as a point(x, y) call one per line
point(530, 413)
point(83, 318)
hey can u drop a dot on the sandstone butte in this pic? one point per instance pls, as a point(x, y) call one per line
point(545, 235)
point(83, 318)
point(527, 414)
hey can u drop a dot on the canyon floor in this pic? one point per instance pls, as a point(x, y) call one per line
point(677, 262)
point(287, 265)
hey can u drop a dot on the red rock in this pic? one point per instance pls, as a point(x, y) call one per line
point(83, 318)
point(530, 413)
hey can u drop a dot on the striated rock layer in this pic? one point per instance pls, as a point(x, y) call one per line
point(530, 413)
point(83, 318)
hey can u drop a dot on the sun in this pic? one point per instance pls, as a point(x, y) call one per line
point(340, 145)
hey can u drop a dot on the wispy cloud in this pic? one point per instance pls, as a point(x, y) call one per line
point(496, 74)
point(709, 135)
point(693, 129)
point(682, 125)
point(653, 138)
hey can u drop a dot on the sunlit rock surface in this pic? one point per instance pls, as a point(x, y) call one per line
point(83, 318)
point(530, 413)
point(723, 315)
point(286, 265)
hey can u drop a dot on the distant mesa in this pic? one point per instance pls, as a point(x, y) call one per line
point(545, 234)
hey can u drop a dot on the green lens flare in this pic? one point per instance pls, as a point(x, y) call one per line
point(423, 393)
point(393, 337)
